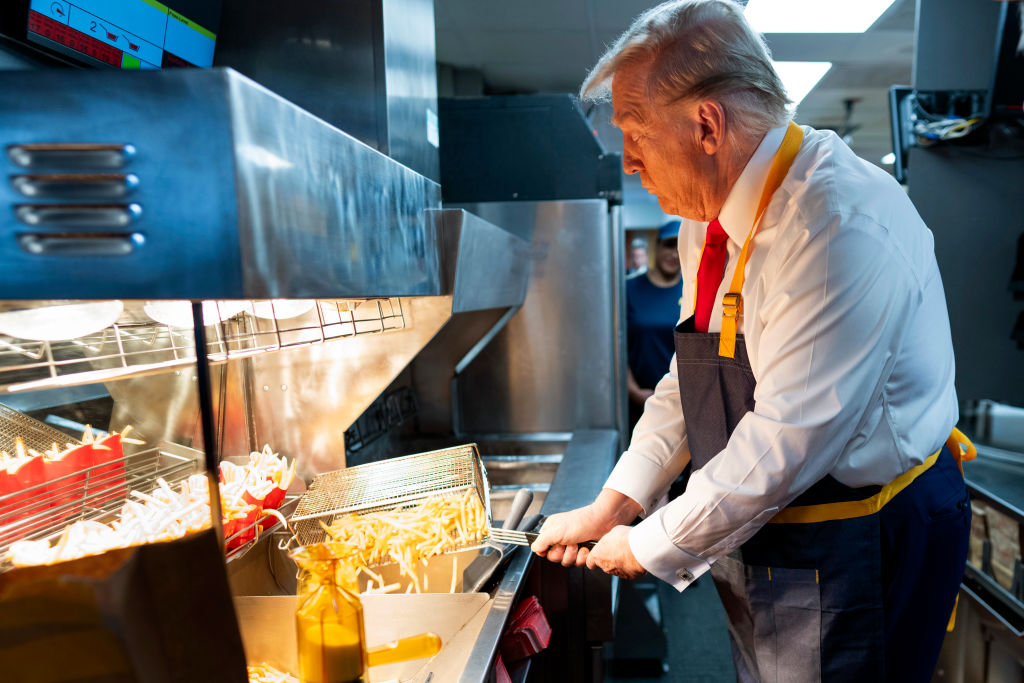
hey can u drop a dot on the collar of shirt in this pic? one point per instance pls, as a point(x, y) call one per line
point(738, 211)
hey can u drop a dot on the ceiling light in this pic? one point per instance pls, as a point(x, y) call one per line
point(814, 16)
point(799, 78)
point(889, 159)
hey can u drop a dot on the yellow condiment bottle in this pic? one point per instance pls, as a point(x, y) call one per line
point(329, 621)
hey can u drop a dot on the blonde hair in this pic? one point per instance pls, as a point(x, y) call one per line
point(699, 48)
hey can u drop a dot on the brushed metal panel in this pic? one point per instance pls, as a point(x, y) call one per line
point(302, 399)
point(434, 368)
point(554, 366)
point(365, 66)
point(320, 213)
point(483, 265)
point(242, 194)
point(177, 122)
point(324, 57)
point(411, 83)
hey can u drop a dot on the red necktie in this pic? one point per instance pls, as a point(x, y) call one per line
point(709, 274)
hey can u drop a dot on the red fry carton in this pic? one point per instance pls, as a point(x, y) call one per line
point(65, 479)
point(16, 501)
point(244, 526)
point(108, 477)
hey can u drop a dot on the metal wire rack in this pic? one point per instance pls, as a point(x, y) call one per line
point(96, 493)
point(138, 345)
point(390, 485)
point(247, 537)
point(33, 433)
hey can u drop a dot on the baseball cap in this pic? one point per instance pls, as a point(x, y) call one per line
point(668, 231)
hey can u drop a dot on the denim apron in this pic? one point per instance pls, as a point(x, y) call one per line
point(844, 584)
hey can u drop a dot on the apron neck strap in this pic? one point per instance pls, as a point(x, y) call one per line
point(732, 301)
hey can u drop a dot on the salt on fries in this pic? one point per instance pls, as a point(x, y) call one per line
point(410, 536)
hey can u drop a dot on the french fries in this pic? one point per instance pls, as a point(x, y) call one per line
point(264, 673)
point(409, 537)
point(165, 514)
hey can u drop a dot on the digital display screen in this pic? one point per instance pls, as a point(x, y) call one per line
point(128, 34)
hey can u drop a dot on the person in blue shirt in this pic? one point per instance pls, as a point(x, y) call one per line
point(652, 311)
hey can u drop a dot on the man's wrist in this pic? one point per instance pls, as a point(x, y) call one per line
point(616, 508)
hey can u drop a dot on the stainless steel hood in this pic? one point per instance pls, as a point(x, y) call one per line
point(303, 399)
point(198, 184)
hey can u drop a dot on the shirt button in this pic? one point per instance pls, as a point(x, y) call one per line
point(685, 575)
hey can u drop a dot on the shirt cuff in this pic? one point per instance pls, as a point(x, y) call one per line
point(632, 476)
point(656, 552)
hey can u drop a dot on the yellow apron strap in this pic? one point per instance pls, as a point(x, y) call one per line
point(952, 617)
point(732, 302)
point(959, 444)
point(961, 447)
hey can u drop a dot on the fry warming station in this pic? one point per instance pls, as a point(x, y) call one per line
point(198, 269)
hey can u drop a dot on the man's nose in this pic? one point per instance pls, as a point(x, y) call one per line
point(630, 162)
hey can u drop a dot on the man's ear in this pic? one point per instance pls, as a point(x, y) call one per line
point(711, 125)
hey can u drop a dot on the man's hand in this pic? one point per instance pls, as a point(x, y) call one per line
point(613, 555)
point(562, 532)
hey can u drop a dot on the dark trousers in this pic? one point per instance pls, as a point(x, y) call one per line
point(860, 599)
point(924, 549)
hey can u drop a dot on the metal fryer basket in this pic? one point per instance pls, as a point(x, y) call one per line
point(390, 485)
point(36, 435)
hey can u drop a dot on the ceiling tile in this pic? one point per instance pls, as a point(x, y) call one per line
point(538, 15)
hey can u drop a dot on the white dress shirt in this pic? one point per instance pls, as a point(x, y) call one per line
point(847, 332)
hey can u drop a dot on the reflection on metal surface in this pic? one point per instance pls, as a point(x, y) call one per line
point(555, 365)
point(303, 399)
point(75, 155)
point(77, 215)
point(75, 185)
point(411, 83)
point(323, 212)
point(136, 345)
point(482, 264)
point(487, 267)
point(366, 67)
point(273, 202)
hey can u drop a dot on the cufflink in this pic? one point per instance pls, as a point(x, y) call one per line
point(685, 575)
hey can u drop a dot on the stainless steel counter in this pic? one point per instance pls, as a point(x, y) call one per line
point(588, 459)
point(585, 466)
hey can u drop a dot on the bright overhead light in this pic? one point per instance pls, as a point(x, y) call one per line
point(814, 16)
point(889, 159)
point(799, 78)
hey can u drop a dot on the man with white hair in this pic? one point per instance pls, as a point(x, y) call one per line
point(812, 386)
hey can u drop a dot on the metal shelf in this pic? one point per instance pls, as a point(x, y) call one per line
point(135, 346)
point(998, 601)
